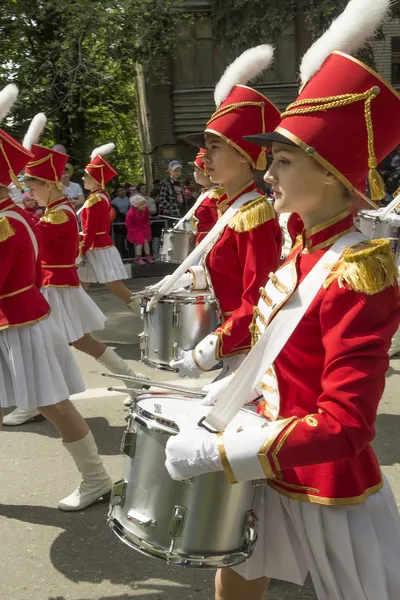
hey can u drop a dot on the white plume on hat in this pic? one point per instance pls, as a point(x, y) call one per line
point(349, 32)
point(246, 67)
point(8, 97)
point(103, 150)
point(35, 130)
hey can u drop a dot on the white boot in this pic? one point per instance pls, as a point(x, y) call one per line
point(116, 364)
point(19, 416)
point(96, 481)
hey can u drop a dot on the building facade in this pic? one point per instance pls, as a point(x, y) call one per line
point(181, 101)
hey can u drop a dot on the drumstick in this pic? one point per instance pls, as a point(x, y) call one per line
point(179, 390)
point(161, 385)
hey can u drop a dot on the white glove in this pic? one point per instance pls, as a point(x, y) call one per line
point(135, 305)
point(184, 281)
point(191, 453)
point(186, 365)
point(215, 389)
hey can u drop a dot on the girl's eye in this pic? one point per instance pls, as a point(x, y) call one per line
point(282, 161)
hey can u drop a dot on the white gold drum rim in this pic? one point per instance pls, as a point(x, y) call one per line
point(150, 420)
point(184, 300)
point(153, 551)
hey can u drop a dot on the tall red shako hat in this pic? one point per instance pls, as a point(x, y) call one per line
point(47, 164)
point(342, 114)
point(199, 161)
point(241, 110)
point(99, 168)
point(13, 156)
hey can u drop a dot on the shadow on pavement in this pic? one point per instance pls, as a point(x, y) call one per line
point(387, 441)
point(86, 551)
point(108, 438)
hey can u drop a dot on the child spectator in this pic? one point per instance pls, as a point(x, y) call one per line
point(31, 207)
point(138, 228)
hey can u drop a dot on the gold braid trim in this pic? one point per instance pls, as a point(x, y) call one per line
point(91, 201)
point(6, 231)
point(368, 267)
point(55, 217)
point(252, 215)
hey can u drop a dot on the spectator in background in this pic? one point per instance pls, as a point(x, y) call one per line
point(191, 191)
point(172, 197)
point(72, 190)
point(157, 224)
point(138, 228)
point(142, 190)
point(121, 202)
point(32, 207)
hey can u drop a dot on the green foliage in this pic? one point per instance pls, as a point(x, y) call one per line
point(76, 62)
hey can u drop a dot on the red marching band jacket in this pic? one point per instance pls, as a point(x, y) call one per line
point(205, 216)
point(322, 451)
point(60, 243)
point(96, 222)
point(238, 264)
point(21, 302)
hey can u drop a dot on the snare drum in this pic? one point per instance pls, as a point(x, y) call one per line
point(367, 221)
point(176, 245)
point(179, 320)
point(205, 522)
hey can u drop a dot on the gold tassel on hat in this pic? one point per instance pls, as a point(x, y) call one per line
point(261, 163)
point(252, 215)
point(55, 217)
point(368, 268)
point(6, 231)
point(375, 182)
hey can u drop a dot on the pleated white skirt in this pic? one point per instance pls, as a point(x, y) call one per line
point(36, 366)
point(101, 266)
point(351, 552)
point(73, 311)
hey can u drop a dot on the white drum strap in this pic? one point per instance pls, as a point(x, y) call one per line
point(101, 195)
point(196, 205)
point(274, 338)
point(14, 215)
point(210, 239)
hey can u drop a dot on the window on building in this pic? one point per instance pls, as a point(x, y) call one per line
point(396, 60)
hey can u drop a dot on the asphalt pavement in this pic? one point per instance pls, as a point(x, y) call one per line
point(51, 555)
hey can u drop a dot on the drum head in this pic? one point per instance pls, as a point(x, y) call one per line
point(169, 412)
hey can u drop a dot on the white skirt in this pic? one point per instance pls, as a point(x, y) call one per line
point(101, 266)
point(351, 552)
point(36, 366)
point(73, 311)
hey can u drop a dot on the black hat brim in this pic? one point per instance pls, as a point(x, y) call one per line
point(195, 139)
point(266, 139)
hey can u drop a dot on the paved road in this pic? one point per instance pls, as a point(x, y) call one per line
point(50, 555)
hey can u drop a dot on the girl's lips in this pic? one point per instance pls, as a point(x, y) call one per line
point(276, 194)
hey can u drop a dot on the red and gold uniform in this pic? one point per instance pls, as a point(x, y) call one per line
point(96, 221)
point(327, 508)
point(236, 267)
point(36, 364)
point(60, 239)
point(21, 302)
point(205, 215)
point(291, 226)
point(103, 262)
point(74, 313)
point(249, 246)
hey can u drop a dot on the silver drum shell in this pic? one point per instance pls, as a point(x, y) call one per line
point(176, 245)
point(176, 322)
point(215, 526)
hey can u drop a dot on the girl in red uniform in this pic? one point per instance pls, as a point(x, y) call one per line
point(248, 247)
point(102, 262)
point(204, 212)
point(75, 313)
point(37, 368)
point(327, 509)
